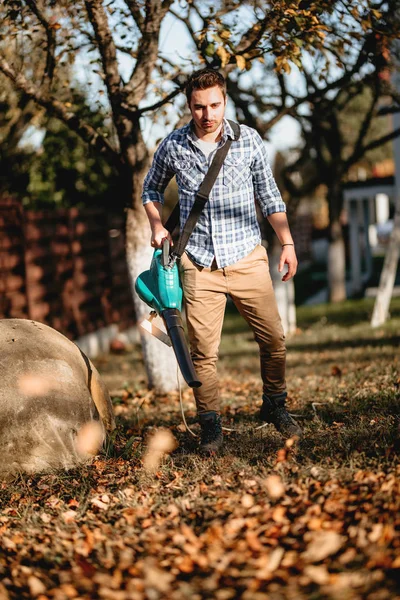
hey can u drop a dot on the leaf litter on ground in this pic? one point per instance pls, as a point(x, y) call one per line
point(319, 518)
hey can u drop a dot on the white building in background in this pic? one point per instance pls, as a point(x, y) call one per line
point(368, 207)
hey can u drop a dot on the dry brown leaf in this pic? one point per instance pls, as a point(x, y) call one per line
point(247, 501)
point(155, 578)
point(36, 586)
point(376, 532)
point(45, 517)
point(69, 516)
point(274, 486)
point(279, 514)
point(185, 564)
point(272, 563)
point(160, 443)
point(396, 563)
point(99, 503)
point(336, 371)
point(129, 514)
point(322, 545)
point(281, 455)
point(315, 524)
point(253, 541)
point(126, 558)
point(317, 573)
point(89, 439)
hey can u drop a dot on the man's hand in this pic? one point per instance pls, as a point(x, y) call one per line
point(158, 235)
point(158, 231)
point(288, 257)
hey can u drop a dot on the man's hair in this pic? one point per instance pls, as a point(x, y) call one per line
point(204, 79)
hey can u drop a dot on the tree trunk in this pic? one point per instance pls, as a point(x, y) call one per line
point(284, 292)
point(388, 276)
point(159, 359)
point(336, 252)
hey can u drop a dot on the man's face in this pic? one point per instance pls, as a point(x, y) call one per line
point(208, 109)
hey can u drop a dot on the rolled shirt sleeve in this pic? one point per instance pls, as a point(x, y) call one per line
point(266, 191)
point(158, 176)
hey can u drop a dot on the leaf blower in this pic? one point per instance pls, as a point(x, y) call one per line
point(161, 289)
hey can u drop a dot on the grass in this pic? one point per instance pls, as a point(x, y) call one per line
point(222, 527)
point(313, 278)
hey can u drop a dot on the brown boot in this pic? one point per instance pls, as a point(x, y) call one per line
point(273, 411)
point(211, 432)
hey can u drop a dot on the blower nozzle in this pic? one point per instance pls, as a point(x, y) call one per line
point(173, 323)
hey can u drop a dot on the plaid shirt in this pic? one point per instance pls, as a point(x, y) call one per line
point(227, 228)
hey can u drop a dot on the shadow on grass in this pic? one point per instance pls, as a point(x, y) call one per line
point(387, 345)
point(344, 314)
point(340, 344)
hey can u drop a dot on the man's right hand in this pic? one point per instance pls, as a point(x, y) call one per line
point(158, 235)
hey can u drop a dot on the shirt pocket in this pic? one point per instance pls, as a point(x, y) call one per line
point(187, 174)
point(235, 171)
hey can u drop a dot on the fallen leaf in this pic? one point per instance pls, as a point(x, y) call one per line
point(186, 565)
point(272, 563)
point(322, 545)
point(281, 455)
point(36, 586)
point(317, 573)
point(155, 578)
point(45, 517)
point(69, 516)
point(278, 514)
point(89, 439)
point(274, 486)
point(160, 443)
point(99, 503)
point(247, 501)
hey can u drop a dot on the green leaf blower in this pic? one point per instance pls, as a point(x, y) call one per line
point(161, 289)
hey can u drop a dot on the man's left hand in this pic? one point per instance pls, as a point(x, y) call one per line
point(288, 257)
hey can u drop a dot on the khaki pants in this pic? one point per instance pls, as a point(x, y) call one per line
point(249, 284)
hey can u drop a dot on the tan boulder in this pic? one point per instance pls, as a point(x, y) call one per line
point(49, 391)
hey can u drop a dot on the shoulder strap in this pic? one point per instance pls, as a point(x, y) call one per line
point(202, 195)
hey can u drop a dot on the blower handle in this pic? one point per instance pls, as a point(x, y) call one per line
point(165, 253)
point(173, 322)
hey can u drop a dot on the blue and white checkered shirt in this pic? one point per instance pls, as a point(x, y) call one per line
point(227, 228)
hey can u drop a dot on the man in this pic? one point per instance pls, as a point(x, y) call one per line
point(224, 255)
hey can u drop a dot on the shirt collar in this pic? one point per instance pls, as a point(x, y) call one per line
point(227, 131)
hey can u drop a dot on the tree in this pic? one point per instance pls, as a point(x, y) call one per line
point(388, 275)
point(63, 31)
point(333, 147)
point(61, 172)
point(225, 34)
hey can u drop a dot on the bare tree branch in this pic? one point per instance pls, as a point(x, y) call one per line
point(136, 88)
point(366, 122)
point(376, 143)
point(51, 39)
point(136, 14)
point(59, 110)
point(186, 21)
point(108, 52)
point(157, 105)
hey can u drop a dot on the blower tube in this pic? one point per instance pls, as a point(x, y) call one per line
point(173, 322)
